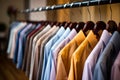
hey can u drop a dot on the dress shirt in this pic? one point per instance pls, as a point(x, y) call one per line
point(47, 48)
point(80, 55)
point(27, 47)
point(33, 48)
point(115, 72)
point(20, 45)
point(13, 38)
point(104, 65)
point(29, 50)
point(57, 50)
point(64, 56)
point(39, 56)
point(94, 55)
point(41, 49)
point(16, 46)
point(49, 62)
point(12, 25)
point(10, 35)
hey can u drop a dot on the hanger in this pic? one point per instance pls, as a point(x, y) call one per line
point(111, 25)
point(72, 25)
point(89, 25)
point(67, 24)
point(79, 26)
point(118, 28)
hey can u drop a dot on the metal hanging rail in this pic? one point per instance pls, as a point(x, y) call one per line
point(71, 5)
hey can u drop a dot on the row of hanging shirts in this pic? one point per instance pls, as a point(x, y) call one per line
point(47, 50)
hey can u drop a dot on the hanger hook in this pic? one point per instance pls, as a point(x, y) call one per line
point(99, 9)
point(110, 10)
point(88, 9)
point(71, 5)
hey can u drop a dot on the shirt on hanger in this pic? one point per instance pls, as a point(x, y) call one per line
point(80, 55)
point(20, 46)
point(94, 55)
point(14, 32)
point(29, 50)
point(103, 67)
point(28, 45)
point(14, 25)
point(33, 49)
point(64, 57)
point(57, 50)
point(49, 62)
point(47, 48)
point(17, 44)
point(42, 51)
point(115, 72)
point(38, 56)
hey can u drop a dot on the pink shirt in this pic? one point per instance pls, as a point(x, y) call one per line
point(115, 73)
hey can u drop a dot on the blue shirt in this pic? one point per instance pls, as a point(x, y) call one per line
point(11, 36)
point(16, 48)
point(103, 67)
point(47, 48)
point(49, 62)
point(20, 46)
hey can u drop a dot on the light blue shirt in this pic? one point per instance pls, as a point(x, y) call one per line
point(49, 62)
point(11, 36)
point(19, 62)
point(47, 48)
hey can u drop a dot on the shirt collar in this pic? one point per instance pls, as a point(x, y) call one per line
point(105, 37)
point(72, 34)
point(92, 38)
point(79, 37)
point(67, 31)
point(60, 31)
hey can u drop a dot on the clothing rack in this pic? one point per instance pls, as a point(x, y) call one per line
point(71, 5)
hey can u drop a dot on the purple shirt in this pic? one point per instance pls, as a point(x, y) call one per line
point(94, 55)
point(56, 51)
point(115, 73)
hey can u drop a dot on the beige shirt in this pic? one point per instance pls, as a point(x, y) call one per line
point(36, 38)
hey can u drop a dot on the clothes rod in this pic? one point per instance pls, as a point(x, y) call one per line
point(71, 5)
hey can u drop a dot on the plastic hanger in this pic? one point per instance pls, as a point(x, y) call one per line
point(111, 25)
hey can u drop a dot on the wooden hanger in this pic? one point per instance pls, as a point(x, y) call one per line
point(79, 26)
point(100, 25)
point(67, 24)
point(72, 25)
point(118, 27)
point(88, 26)
point(111, 26)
